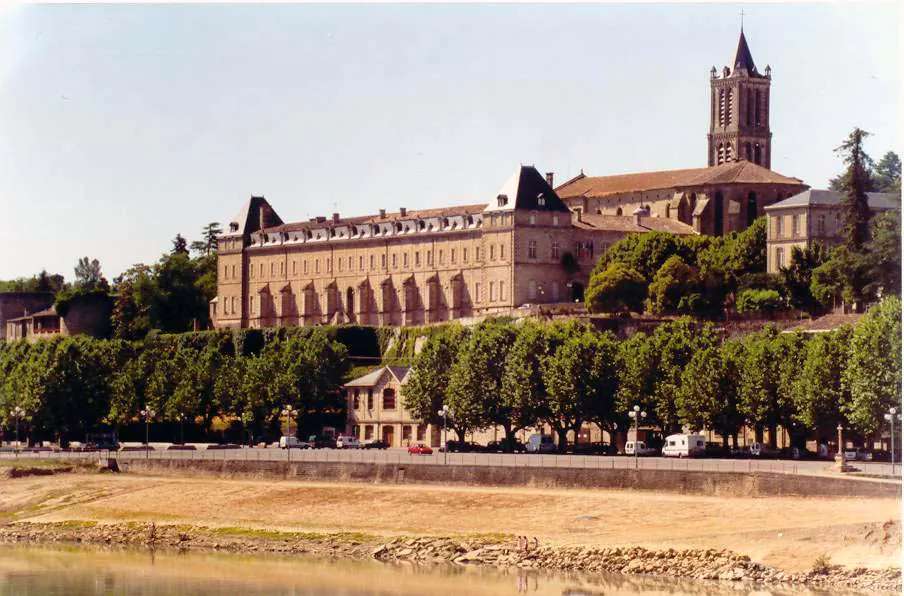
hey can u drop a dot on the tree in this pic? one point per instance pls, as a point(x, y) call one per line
point(887, 174)
point(817, 390)
point(856, 181)
point(760, 301)
point(523, 391)
point(884, 254)
point(676, 288)
point(88, 274)
point(617, 289)
point(180, 245)
point(797, 277)
point(844, 277)
point(428, 380)
point(581, 380)
point(708, 393)
point(475, 381)
point(873, 372)
point(644, 253)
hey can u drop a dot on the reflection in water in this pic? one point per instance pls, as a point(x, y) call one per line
point(32, 571)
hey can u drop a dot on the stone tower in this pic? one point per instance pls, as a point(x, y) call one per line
point(740, 112)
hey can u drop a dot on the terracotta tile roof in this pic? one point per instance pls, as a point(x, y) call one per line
point(741, 172)
point(47, 312)
point(625, 223)
point(397, 215)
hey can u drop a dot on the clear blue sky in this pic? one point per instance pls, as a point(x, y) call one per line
point(123, 125)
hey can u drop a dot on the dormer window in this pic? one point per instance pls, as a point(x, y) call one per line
point(233, 227)
point(541, 200)
point(502, 200)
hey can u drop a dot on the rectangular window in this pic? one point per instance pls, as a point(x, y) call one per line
point(533, 220)
point(361, 263)
point(780, 257)
point(371, 262)
point(356, 400)
point(555, 220)
point(304, 266)
point(340, 265)
point(316, 265)
point(779, 226)
point(492, 291)
point(554, 250)
point(502, 290)
point(294, 267)
point(417, 258)
point(271, 270)
point(349, 263)
point(421, 432)
point(429, 257)
point(441, 260)
point(821, 225)
point(262, 271)
point(795, 226)
point(492, 252)
point(370, 399)
point(502, 252)
point(329, 265)
point(225, 272)
point(388, 399)
point(532, 249)
point(395, 261)
point(406, 433)
point(405, 260)
point(233, 272)
point(233, 305)
point(476, 292)
point(477, 254)
point(452, 256)
point(464, 255)
point(383, 261)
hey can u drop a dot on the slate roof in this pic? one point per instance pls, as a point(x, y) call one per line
point(524, 189)
point(373, 377)
point(625, 223)
point(743, 62)
point(740, 172)
point(249, 217)
point(830, 198)
point(397, 215)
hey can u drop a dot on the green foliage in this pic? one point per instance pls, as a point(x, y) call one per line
point(873, 372)
point(523, 391)
point(817, 391)
point(677, 288)
point(855, 183)
point(887, 174)
point(428, 382)
point(845, 276)
point(708, 394)
point(617, 289)
point(764, 302)
point(884, 254)
point(798, 276)
point(42, 282)
point(88, 274)
point(644, 253)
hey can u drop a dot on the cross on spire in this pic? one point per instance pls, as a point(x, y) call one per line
point(742, 20)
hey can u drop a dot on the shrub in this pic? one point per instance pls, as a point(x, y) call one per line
point(759, 301)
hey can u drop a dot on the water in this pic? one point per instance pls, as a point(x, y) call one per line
point(33, 571)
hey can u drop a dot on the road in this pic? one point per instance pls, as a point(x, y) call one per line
point(401, 456)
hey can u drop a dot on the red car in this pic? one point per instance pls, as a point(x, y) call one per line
point(420, 449)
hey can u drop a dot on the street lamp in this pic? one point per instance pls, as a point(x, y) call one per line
point(445, 412)
point(287, 411)
point(148, 413)
point(892, 416)
point(182, 429)
point(636, 414)
point(18, 413)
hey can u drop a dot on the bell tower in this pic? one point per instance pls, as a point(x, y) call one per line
point(739, 110)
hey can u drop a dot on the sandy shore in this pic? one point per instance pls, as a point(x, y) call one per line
point(786, 534)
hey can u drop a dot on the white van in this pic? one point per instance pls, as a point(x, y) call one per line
point(640, 447)
point(684, 446)
point(540, 444)
point(346, 442)
point(290, 442)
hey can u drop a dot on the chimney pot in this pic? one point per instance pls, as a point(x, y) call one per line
point(549, 178)
point(382, 213)
point(335, 218)
point(403, 212)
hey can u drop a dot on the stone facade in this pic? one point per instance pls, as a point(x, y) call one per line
point(413, 267)
point(808, 218)
point(85, 315)
point(14, 305)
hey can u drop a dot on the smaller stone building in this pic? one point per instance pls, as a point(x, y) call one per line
point(14, 305)
point(376, 410)
point(84, 315)
point(808, 218)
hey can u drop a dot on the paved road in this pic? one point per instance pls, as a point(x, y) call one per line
point(401, 456)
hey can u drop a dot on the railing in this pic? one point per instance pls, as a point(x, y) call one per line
point(400, 457)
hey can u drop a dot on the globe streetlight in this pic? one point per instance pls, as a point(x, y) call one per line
point(148, 413)
point(18, 413)
point(182, 418)
point(892, 416)
point(636, 414)
point(445, 412)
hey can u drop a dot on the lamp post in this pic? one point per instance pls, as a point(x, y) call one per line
point(892, 416)
point(148, 413)
point(636, 414)
point(287, 411)
point(182, 429)
point(445, 412)
point(18, 413)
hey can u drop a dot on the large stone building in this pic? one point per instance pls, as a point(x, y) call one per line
point(808, 218)
point(414, 267)
point(530, 244)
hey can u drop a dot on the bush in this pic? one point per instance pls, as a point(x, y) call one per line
point(759, 301)
point(618, 288)
point(822, 564)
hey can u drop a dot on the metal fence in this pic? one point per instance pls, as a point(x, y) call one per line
point(401, 457)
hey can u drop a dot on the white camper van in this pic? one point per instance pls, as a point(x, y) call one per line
point(684, 446)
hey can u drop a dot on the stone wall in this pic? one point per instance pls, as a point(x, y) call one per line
point(699, 483)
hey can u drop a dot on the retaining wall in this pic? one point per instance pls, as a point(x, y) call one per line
point(755, 484)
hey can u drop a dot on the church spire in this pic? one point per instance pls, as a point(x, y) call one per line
point(743, 62)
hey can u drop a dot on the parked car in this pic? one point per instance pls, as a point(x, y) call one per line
point(322, 442)
point(505, 446)
point(292, 442)
point(858, 454)
point(593, 449)
point(420, 449)
point(882, 455)
point(683, 445)
point(347, 442)
point(641, 448)
point(102, 445)
point(374, 444)
point(716, 450)
point(462, 447)
point(541, 444)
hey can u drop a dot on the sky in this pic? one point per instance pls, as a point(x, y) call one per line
point(121, 126)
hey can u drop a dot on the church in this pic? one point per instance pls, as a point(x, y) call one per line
point(530, 244)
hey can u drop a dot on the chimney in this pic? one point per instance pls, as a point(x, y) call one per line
point(335, 218)
point(640, 212)
point(549, 178)
point(382, 213)
point(403, 212)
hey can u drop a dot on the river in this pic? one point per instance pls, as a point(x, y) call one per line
point(46, 571)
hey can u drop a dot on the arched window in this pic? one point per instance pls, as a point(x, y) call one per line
point(728, 107)
point(729, 153)
point(389, 399)
point(751, 208)
point(350, 300)
point(747, 153)
point(721, 107)
point(618, 211)
point(718, 215)
point(757, 154)
point(757, 109)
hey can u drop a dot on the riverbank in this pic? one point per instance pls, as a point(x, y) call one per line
point(502, 552)
point(770, 539)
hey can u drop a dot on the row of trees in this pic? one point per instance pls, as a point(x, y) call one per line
point(71, 386)
point(684, 374)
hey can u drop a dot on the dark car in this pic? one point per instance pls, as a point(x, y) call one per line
point(102, 446)
point(322, 441)
point(505, 446)
point(717, 450)
point(593, 449)
point(374, 444)
point(882, 455)
point(462, 447)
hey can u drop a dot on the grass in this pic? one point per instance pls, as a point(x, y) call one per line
point(43, 464)
point(822, 564)
point(261, 534)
